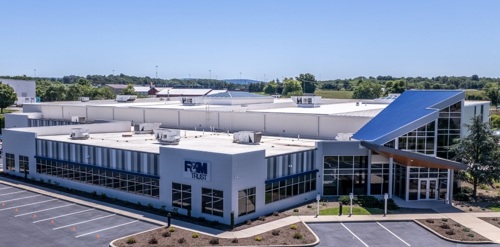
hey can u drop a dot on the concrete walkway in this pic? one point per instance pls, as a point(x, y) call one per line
point(467, 219)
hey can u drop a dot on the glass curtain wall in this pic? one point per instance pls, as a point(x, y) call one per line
point(448, 129)
point(345, 174)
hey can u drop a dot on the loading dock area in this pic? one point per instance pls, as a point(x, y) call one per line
point(34, 219)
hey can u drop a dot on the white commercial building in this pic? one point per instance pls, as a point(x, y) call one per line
point(25, 90)
point(286, 156)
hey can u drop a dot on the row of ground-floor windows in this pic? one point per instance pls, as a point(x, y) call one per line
point(10, 163)
point(131, 183)
point(212, 201)
point(289, 187)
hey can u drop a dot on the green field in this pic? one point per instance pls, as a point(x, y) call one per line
point(333, 94)
point(355, 211)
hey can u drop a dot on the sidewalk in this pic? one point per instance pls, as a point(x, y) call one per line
point(467, 219)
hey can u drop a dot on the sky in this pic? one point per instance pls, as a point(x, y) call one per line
point(258, 39)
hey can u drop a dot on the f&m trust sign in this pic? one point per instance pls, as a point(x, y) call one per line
point(198, 170)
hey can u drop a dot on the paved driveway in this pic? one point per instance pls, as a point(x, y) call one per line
point(32, 219)
point(375, 234)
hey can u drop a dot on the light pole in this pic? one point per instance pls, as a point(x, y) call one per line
point(386, 196)
point(351, 196)
point(317, 204)
point(34, 73)
point(156, 72)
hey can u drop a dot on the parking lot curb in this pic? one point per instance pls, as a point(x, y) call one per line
point(449, 239)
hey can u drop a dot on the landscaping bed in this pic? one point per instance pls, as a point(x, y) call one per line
point(295, 234)
point(450, 229)
point(492, 220)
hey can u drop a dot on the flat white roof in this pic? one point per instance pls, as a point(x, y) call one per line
point(350, 108)
point(191, 140)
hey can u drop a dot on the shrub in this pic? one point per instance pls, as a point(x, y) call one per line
point(214, 223)
point(429, 221)
point(214, 241)
point(195, 235)
point(234, 241)
point(297, 235)
point(450, 232)
point(296, 210)
point(457, 225)
point(166, 234)
point(484, 186)
point(131, 240)
point(445, 226)
point(249, 222)
point(470, 235)
point(276, 213)
point(391, 205)
point(181, 240)
point(275, 232)
point(369, 202)
point(461, 197)
point(309, 206)
point(171, 229)
point(202, 219)
point(153, 241)
point(444, 220)
point(466, 229)
point(258, 238)
point(262, 218)
point(494, 219)
point(293, 227)
point(345, 200)
point(465, 190)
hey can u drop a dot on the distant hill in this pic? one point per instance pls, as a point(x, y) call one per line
point(241, 81)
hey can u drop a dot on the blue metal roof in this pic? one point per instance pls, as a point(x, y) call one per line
point(407, 108)
point(234, 94)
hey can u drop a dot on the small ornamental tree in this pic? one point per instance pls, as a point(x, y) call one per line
point(479, 151)
point(7, 96)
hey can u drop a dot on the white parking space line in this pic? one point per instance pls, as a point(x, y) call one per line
point(4, 188)
point(64, 215)
point(17, 199)
point(394, 234)
point(47, 209)
point(81, 222)
point(25, 205)
point(11, 193)
point(354, 234)
point(105, 229)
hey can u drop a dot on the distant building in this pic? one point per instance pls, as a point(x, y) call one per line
point(140, 90)
point(25, 90)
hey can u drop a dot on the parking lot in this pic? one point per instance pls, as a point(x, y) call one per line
point(374, 234)
point(32, 219)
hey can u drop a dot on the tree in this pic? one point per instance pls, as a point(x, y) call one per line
point(493, 95)
point(55, 92)
point(291, 87)
point(480, 152)
point(7, 96)
point(367, 90)
point(129, 90)
point(308, 81)
point(271, 88)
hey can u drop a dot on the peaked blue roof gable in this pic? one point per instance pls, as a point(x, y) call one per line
point(234, 94)
point(397, 118)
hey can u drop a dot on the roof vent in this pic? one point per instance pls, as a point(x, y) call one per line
point(247, 137)
point(167, 136)
point(146, 128)
point(79, 134)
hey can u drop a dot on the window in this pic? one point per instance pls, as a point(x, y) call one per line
point(345, 174)
point(181, 196)
point(10, 162)
point(246, 201)
point(212, 202)
point(292, 186)
point(112, 179)
point(24, 165)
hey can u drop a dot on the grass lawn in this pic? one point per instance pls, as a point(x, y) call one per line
point(355, 211)
point(495, 208)
point(334, 94)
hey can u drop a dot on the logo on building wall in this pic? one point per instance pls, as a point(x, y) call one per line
point(197, 170)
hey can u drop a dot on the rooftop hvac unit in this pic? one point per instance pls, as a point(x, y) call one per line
point(77, 119)
point(79, 134)
point(146, 128)
point(247, 137)
point(84, 99)
point(167, 136)
point(307, 101)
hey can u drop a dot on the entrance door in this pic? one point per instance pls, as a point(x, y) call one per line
point(427, 189)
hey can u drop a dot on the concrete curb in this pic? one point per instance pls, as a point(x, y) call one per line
point(449, 239)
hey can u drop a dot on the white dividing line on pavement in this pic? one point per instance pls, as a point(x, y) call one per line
point(11, 193)
point(105, 229)
point(47, 209)
point(354, 234)
point(4, 188)
point(64, 215)
point(393, 234)
point(25, 205)
point(81, 222)
point(11, 200)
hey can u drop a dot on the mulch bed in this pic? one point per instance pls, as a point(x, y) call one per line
point(492, 220)
point(296, 234)
point(453, 230)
